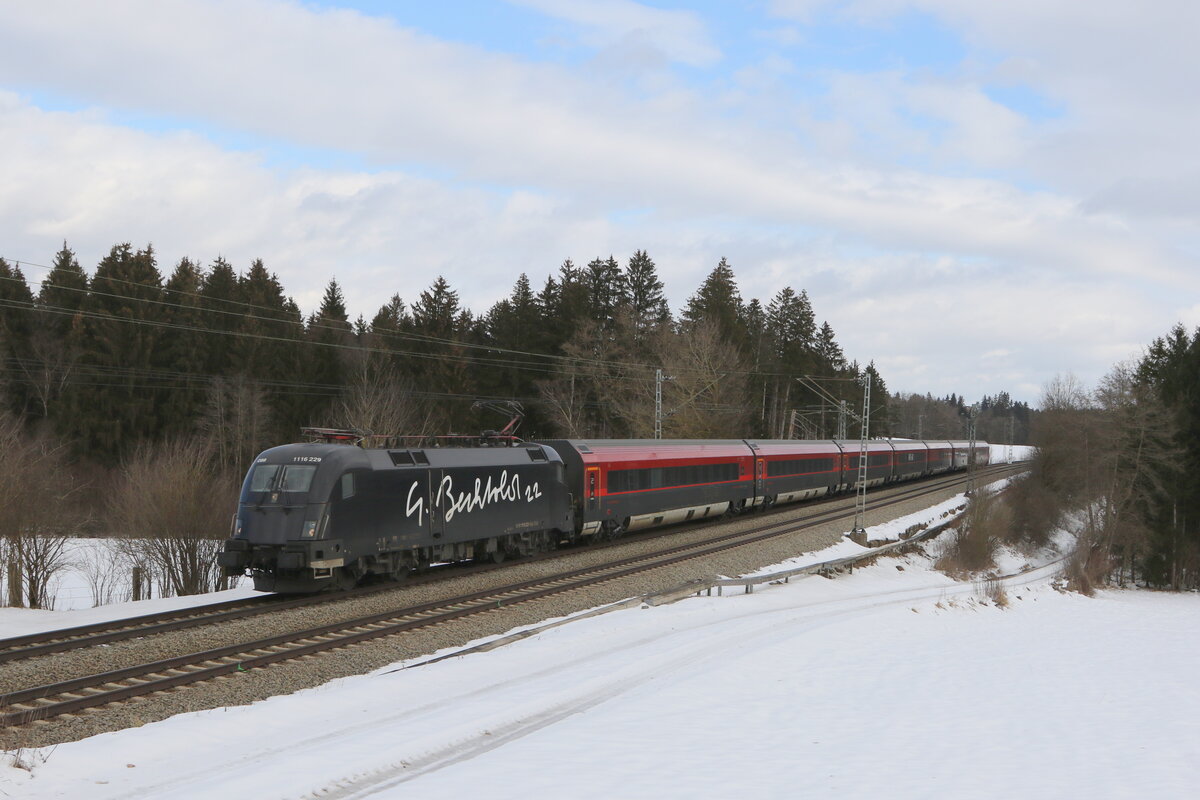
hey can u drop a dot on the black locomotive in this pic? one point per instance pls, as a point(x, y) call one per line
point(323, 514)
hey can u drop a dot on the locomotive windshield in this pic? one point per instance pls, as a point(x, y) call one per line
point(282, 478)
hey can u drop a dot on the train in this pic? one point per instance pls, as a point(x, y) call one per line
point(335, 512)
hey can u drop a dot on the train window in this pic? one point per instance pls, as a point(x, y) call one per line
point(632, 480)
point(262, 478)
point(799, 466)
point(297, 477)
point(347, 486)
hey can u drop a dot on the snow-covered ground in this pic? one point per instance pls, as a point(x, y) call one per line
point(94, 573)
point(892, 682)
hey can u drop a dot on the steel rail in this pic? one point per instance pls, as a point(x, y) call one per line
point(65, 639)
point(68, 697)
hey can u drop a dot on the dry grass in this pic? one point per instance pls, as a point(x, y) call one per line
point(993, 589)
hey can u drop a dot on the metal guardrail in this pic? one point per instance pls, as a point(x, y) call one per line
point(706, 585)
point(695, 588)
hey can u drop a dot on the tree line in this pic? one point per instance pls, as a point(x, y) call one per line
point(125, 356)
point(1123, 457)
point(132, 401)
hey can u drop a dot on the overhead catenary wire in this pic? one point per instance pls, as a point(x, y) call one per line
point(313, 323)
point(557, 363)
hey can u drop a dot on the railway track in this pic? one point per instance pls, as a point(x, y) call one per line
point(25, 706)
point(101, 633)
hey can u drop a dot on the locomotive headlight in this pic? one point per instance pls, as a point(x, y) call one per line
point(310, 529)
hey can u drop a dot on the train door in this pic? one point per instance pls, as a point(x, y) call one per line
point(760, 475)
point(592, 488)
point(437, 516)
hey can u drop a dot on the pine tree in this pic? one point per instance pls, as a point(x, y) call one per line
point(644, 296)
point(16, 332)
point(183, 348)
point(444, 364)
point(792, 327)
point(879, 423)
point(512, 324)
point(605, 289)
point(57, 330)
point(330, 338)
point(63, 293)
point(830, 358)
point(120, 357)
point(221, 299)
point(719, 301)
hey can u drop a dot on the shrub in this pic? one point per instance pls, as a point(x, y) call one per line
point(973, 546)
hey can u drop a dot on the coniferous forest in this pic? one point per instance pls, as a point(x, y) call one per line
point(131, 355)
point(133, 399)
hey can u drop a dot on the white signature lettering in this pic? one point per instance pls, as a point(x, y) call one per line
point(505, 488)
point(417, 505)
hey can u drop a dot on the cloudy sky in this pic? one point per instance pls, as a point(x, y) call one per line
point(976, 195)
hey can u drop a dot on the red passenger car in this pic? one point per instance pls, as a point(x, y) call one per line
point(628, 484)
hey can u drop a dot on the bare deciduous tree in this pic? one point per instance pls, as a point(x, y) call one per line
point(36, 493)
point(172, 507)
point(378, 401)
point(236, 420)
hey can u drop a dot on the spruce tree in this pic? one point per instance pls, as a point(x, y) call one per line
point(220, 298)
point(719, 301)
point(644, 297)
point(183, 348)
point(443, 363)
point(16, 331)
point(792, 327)
point(58, 329)
point(121, 402)
point(605, 289)
point(829, 353)
point(330, 338)
point(63, 293)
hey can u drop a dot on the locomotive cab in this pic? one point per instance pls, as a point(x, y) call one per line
point(317, 516)
point(280, 531)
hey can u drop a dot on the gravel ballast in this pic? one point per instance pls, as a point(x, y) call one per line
point(290, 676)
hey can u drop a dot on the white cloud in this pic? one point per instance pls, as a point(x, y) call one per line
point(340, 80)
point(751, 172)
point(626, 27)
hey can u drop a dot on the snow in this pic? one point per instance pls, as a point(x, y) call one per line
point(894, 681)
point(74, 597)
point(1000, 453)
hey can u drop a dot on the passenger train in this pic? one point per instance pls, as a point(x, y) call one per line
point(332, 513)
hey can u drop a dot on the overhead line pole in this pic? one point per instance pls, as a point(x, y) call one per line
point(859, 533)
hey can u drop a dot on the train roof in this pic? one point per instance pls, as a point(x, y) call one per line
point(348, 456)
point(660, 448)
point(779, 447)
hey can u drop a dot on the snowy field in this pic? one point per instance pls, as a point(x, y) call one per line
point(893, 682)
